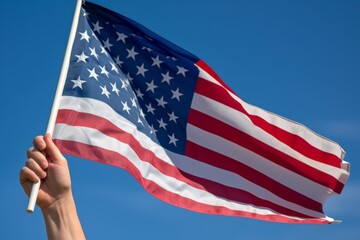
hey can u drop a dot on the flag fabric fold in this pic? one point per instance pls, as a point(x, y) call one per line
point(134, 100)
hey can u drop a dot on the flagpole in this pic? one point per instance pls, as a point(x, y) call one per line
point(56, 103)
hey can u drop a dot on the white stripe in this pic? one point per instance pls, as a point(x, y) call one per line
point(240, 121)
point(231, 179)
point(278, 173)
point(308, 135)
point(101, 109)
point(95, 138)
point(98, 108)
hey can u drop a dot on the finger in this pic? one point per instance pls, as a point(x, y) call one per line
point(52, 150)
point(27, 175)
point(35, 167)
point(39, 143)
point(31, 149)
point(27, 178)
point(38, 156)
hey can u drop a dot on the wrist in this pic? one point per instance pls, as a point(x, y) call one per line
point(61, 219)
point(60, 204)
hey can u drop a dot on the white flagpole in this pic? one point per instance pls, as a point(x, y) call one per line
point(56, 103)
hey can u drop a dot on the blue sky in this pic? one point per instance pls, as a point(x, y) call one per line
point(299, 59)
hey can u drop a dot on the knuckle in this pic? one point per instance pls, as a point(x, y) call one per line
point(29, 162)
point(39, 143)
point(23, 170)
point(30, 151)
point(43, 164)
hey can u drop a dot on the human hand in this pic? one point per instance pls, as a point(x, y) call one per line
point(46, 162)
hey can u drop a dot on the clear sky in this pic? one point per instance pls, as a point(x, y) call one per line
point(299, 59)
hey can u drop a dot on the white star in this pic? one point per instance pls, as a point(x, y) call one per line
point(85, 36)
point(127, 83)
point(94, 35)
point(166, 78)
point(181, 70)
point(150, 108)
point(131, 53)
point(82, 57)
point(121, 37)
point(118, 61)
point(141, 70)
point(151, 86)
point(139, 121)
point(173, 140)
point(133, 102)
point(162, 124)
point(139, 94)
point(129, 77)
point(152, 129)
point(105, 91)
point(93, 74)
point(176, 94)
point(114, 88)
point(156, 61)
point(93, 53)
point(147, 48)
point(107, 44)
point(78, 82)
point(97, 27)
point(141, 113)
point(104, 71)
point(125, 107)
point(172, 58)
point(103, 50)
point(114, 67)
point(123, 84)
point(161, 102)
point(172, 117)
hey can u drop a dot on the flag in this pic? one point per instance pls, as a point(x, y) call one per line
point(134, 100)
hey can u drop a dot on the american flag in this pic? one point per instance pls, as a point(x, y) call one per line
point(134, 100)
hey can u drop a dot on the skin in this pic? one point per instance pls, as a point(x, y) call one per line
point(55, 197)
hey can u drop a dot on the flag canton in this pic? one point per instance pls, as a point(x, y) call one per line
point(144, 79)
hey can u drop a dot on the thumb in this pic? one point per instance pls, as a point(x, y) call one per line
point(52, 150)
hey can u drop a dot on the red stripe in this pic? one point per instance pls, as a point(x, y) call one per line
point(74, 118)
point(86, 151)
point(106, 127)
point(243, 196)
point(212, 73)
point(220, 161)
point(272, 154)
point(296, 142)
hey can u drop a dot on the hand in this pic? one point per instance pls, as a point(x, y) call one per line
point(47, 163)
point(55, 199)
